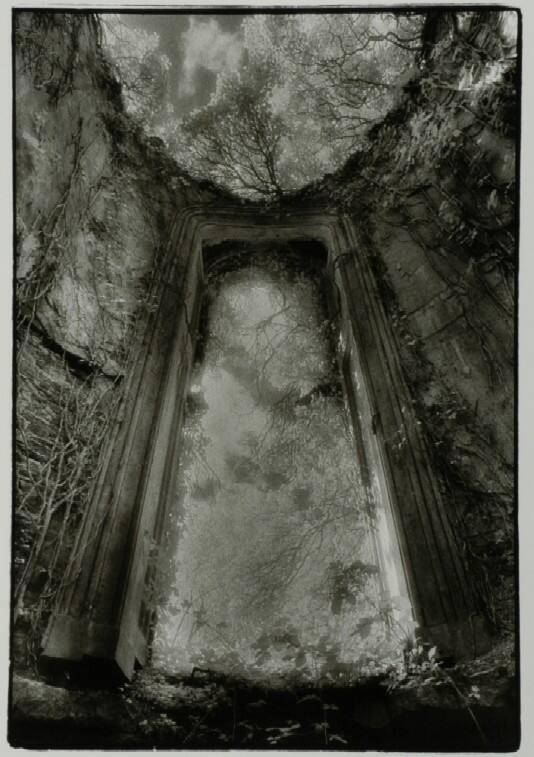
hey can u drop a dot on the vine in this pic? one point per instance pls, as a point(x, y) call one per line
point(69, 374)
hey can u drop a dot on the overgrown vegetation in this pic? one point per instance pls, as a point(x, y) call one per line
point(307, 89)
point(82, 297)
point(276, 504)
point(63, 420)
point(48, 49)
point(433, 167)
point(439, 176)
point(217, 711)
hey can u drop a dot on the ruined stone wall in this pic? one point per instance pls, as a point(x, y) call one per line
point(95, 202)
point(434, 199)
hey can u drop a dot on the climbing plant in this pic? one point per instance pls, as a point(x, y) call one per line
point(78, 309)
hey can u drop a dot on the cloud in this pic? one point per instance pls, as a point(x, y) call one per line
point(207, 47)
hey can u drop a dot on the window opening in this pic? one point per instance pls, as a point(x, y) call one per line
point(278, 556)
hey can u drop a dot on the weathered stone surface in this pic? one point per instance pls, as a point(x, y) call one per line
point(95, 200)
point(34, 701)
point(95, 207)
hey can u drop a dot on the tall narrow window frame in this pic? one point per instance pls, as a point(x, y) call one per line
point(100, 614)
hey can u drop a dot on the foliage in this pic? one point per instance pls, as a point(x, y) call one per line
point(323, 90)
point(48, 47)
point(63, 421)
point(461, 215)
point(273, 561)
point(209, 710)
point(236, 138)
point(343, 71)
point(249, 124)
point(81, 299)
point(309, 88)
point(452, 196)
point(423, 669)
point(304, 94)
point(142, 70)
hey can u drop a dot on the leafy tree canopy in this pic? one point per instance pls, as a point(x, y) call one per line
point(307, 89)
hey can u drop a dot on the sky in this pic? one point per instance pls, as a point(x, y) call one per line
point(198, 45)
